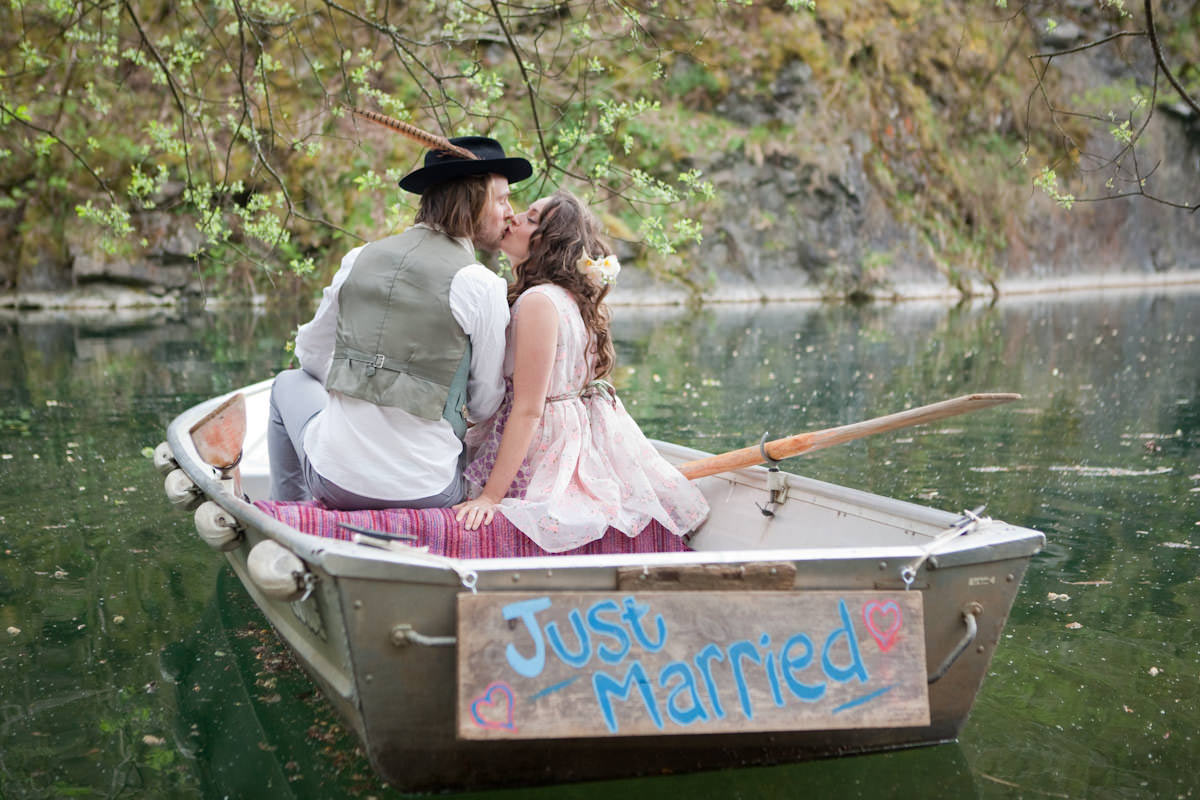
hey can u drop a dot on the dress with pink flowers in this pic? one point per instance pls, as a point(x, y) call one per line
point(589, 466)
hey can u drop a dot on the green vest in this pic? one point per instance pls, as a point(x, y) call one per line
point(398, 343)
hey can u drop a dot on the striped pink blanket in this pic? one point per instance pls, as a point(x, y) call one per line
point(437, 529)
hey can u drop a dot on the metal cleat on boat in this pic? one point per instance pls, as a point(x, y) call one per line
point(217, 527)
point(180, 490)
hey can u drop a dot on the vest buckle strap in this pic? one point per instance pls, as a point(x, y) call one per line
point(376, 363)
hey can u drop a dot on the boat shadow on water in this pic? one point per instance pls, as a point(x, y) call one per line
point(252, 722)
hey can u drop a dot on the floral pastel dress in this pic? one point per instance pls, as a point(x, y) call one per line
point(589, 466)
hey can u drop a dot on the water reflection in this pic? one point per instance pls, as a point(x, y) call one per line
point(121, 675)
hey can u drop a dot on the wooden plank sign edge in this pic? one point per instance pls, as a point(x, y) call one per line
point(623, 663)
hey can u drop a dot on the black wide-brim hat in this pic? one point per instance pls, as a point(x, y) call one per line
point(441, 166)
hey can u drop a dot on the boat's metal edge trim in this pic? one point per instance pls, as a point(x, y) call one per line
point(346, 558)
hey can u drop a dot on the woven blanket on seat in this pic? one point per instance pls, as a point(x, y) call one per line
point(437, 529)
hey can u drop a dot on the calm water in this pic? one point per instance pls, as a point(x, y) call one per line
point(132, 666)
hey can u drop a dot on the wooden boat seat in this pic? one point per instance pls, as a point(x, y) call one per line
point(437, 529)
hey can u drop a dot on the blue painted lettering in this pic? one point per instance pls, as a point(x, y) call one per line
point(737, 652)
point(703, 661)
point(633, 614)
point(772, 675)
point(604, 627)
point(527, 610)
point(790, 665)
point(605, 687)
point(856, 666)
point(579, 657)
point(687, 683)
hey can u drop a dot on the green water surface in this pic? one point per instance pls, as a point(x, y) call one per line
point(132, 665)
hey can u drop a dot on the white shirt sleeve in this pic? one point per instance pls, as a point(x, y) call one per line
point(479, 303)
point(315, 339)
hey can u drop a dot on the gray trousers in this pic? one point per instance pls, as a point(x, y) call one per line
point(296, 398)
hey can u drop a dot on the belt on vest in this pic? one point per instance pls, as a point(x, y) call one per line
point(376, 361)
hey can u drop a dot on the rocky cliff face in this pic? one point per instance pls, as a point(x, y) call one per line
point(854, 197)
point(799, 228)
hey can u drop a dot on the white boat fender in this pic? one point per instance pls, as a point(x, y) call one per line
point(217, 527)
point(164, 458)
point(180, 490)
point(279, 572)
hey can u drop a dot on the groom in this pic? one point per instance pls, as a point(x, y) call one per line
point(407, 342)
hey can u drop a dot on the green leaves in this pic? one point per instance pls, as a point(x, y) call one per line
point(1047, 181)
point(113, 223)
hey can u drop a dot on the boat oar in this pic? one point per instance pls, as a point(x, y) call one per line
point(789, 446)
point(219, 437)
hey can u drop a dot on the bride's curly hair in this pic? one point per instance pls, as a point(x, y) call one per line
point(566, 233)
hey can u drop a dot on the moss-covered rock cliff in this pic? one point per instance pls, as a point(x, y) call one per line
point(853, 150)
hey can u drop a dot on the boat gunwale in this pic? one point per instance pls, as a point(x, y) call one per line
point(341, 557)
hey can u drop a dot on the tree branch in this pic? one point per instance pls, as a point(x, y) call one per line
point(1162, 63)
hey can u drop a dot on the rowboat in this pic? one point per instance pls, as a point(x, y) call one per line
point(802, 620)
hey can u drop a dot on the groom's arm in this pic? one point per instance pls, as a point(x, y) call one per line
point(479, 303)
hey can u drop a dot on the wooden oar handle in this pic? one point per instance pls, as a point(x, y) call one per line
point(780, 449)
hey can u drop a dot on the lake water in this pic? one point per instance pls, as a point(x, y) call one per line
point(131, 665)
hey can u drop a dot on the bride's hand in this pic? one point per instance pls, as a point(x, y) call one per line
point(476, 512)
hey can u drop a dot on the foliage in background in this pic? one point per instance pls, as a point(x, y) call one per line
point(1095, 133)
point(229, 117)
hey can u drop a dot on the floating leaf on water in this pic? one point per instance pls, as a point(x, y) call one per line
point(154, 741)
point(13, 630)
point(1074, 626)
point(1180, 545)
point(1128, 710)
point(118, 619)
point(1057, 596)
point(1154, 672)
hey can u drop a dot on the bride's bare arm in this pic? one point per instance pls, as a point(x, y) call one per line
point(535, 332)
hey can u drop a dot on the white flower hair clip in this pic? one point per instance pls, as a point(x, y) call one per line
point(604, 270)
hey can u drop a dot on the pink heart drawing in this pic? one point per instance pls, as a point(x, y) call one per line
point(875, 613)
point(494, 708)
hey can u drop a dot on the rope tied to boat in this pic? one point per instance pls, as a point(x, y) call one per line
point(963, 525)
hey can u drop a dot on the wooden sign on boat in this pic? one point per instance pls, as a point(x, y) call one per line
point(594, 664)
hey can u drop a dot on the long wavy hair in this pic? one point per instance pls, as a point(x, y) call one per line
point(566, 232)
point(456, 207)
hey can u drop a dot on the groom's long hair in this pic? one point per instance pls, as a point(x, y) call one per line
point(566, 233)
point(455, 207)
